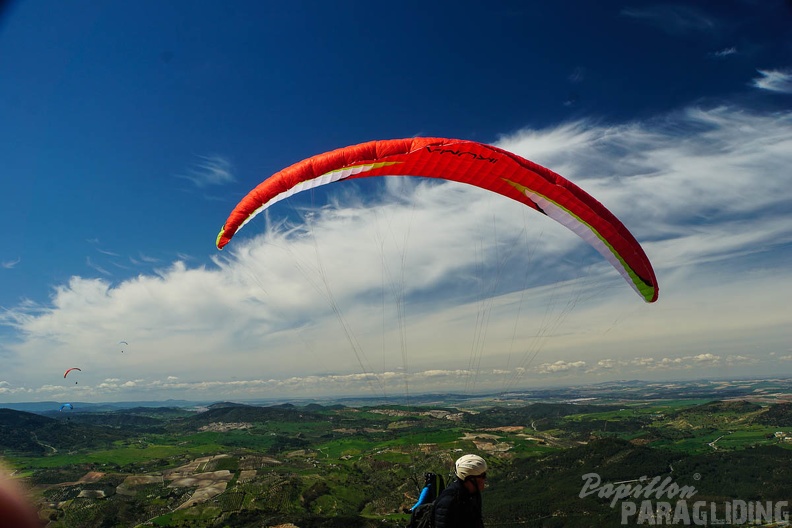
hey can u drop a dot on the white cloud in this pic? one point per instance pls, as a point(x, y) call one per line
point(606, 364)
point(91, 264)
point(9, 264)
point(725, 52)
point(667, 364)
point(444, 286)
point(577, 75)
point(779, 81)
point(706, 358)
point(673, 19)
point(209, 171)
point(560, 366)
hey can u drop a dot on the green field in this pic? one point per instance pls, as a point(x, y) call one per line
point(361, 467)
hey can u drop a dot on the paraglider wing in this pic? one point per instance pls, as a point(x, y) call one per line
point(66, 406)
point(468, 162)
point(69, 370)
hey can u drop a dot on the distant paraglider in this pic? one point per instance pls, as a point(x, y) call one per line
point(67, 407)
point(69, 370)
point(123, 345)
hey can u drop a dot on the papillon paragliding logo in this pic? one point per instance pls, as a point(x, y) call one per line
point(661, 501)
point(70, 370)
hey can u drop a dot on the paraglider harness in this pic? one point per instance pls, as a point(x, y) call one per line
point(422, 513)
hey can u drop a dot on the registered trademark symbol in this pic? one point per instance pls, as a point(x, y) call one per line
point(697, 476)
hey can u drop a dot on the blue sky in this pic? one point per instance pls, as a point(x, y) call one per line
point(131, 129)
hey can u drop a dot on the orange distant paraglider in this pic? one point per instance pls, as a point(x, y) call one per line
point(69, 370)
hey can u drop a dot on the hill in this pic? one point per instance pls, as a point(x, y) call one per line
point(29, 434)
point(777, 415)
point(244, 465)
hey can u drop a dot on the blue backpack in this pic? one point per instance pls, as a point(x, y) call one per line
point(421, 514)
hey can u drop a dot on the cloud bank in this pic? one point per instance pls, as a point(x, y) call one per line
point(404, 286)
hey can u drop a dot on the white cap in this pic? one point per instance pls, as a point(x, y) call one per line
point(469, 466)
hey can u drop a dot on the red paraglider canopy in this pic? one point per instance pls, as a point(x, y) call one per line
point(468, 162)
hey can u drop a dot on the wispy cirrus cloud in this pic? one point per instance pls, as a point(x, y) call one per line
point(675, 19)
point(107, 252)
point(779, 81)
point(9, 264)
point(723, 53)
point(147, 259)
point(210, 171)
point(93, 265)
